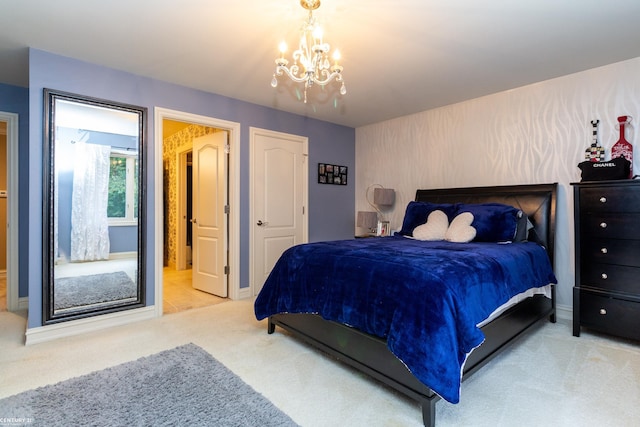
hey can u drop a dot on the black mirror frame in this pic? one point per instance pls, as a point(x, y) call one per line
point(48, 190)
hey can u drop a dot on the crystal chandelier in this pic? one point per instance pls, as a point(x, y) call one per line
point(311, 63)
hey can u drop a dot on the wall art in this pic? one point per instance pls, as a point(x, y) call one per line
point(332, 174)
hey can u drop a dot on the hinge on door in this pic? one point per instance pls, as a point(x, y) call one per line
point(226, 209)
point(303, 210)
point(226, 269)
point(227, 148)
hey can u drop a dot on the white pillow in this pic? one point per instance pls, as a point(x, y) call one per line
point(435, 227)
point(460, 229)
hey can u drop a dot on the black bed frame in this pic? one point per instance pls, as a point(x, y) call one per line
point(370, 354)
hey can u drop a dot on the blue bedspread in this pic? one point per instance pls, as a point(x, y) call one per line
point(425, 298)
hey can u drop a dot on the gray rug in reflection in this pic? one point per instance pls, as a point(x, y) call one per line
point(184, 386)
point(93, 289)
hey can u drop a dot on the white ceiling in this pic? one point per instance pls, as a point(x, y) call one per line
point(399, 56)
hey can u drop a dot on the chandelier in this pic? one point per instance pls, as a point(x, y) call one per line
point(311, 63)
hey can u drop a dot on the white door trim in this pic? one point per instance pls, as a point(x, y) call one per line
point(181, 229)
point(305, 190)
point(13, 301)
point(234, 197)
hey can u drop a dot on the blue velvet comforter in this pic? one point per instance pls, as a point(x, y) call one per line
point(425, 298)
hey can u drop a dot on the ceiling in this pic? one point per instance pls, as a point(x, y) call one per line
point(399, 56)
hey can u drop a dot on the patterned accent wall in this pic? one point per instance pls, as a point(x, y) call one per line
point(533, 134)
point(170, 147)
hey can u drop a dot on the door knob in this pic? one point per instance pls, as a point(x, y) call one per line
point(193, 221)
point(260, 223)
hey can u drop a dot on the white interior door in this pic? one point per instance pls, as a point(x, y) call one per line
point(209, 219)
point(279, 197)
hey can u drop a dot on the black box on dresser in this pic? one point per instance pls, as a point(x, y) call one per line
point(606, 295)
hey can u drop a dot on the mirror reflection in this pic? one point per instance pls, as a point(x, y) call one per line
point(93, 264)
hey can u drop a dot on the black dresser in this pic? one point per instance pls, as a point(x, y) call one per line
point(606, 295)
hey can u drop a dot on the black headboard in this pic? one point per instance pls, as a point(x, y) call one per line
point(538, 201)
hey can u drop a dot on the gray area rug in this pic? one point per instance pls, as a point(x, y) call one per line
point(184, 386)
point(77, 291)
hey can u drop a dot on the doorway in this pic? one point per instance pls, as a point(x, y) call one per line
point(9, 298)
point(3, 216)
point(195, 193)
point(175, 132)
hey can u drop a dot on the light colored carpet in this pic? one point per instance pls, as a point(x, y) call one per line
point(548, 378)
point(181, 386)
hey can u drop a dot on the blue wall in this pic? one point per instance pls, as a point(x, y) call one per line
point(331, 207)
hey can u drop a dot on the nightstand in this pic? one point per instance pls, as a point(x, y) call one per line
point(606, 295)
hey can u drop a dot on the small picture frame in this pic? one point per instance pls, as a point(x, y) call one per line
point(383, 229)
point(332, 174)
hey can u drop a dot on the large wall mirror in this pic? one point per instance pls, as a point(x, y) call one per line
point(94, 206)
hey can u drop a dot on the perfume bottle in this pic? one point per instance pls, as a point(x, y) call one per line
point(623, 148)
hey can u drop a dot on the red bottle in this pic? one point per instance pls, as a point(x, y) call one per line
point(623, 148)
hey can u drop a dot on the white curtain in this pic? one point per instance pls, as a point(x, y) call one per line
point(89, 224)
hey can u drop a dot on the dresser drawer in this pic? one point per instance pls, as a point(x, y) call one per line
point(611, 277)
point(610, 251)
point(610, 315)
point(610, 199)
point(610, 225)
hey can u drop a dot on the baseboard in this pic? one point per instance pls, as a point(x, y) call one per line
point(244, 293)
point(564, 312)
point(89, 324)
point(123, 255)
point(23, 303)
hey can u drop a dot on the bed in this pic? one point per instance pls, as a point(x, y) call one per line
point(350, 298)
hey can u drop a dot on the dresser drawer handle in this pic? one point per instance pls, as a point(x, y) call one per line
point(604, 276)
point(604, 250)
point(603, 225)
point(603, 311)
point(603, 200)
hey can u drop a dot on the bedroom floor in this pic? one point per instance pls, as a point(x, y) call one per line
point(547, 378)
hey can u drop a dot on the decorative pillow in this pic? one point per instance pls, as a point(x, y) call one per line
point(494, 222)
point(434, 229)
point(460, 229)
point(418, 212)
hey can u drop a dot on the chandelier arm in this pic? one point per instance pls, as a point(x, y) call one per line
point(311, 60)
point(280, 70)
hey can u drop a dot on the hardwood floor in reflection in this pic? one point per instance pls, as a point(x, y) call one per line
point(179, 295)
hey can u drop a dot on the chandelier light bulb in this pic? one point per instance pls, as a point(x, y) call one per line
point(282, 47)
point(311, 64)
point(317, 34)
